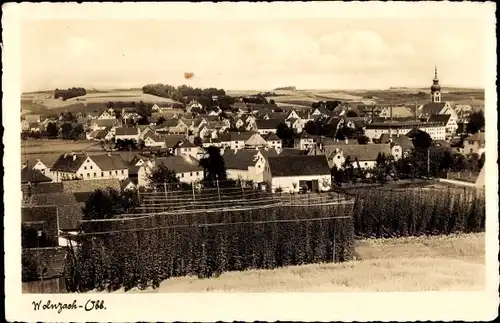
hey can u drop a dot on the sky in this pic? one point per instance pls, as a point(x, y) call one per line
point(258, 54)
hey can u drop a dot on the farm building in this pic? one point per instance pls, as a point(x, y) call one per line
point(127, 133)
point(436, 130)
point(400, 145)
point(86, 167)
point(187, 148)
point(186, 168)
point(290, 173)
point(304, 141)
point(242, 140)
point(33, 175)
point(263, 127)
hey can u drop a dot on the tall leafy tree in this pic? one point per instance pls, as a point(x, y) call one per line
point(160, 175)
point(475, 122)
point(213, 165)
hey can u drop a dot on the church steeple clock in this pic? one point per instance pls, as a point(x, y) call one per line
point(435, 88)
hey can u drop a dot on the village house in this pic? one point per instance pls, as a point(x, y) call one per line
point(127, 133)
point(248, 165)
point(448, 120)
point(436, 130)
point(182, 127)
point(186, 169)
point(193, 105)
point(396, 112)
point(364, 156)
point(304, 141)
point(215, 111)
point(295, 124)
point(98, 135)
point(291, 173)
point(264, 127)
point(41, 162)
point(242, 140)
point(127, 185)
point(101, 124)
point(273, 141)
point(212, 142)
point(85, 167)
point(107, 115)
point(475, 144)
point(187, 148)
point(154, 140)
point(25, 125)
point(321, 112)
point(401, 146)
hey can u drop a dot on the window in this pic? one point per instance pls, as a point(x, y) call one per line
point(182, 175)
point(102, 174)
point(366, 164)
point(94, 175)
point(110, 173)
point(197, 173)
point(88, 174)
point(81, 175)
point(122, 172)
point(91, 167)
point(88, 161)
point(85, 167)
point(116, 172)
point(338, 157)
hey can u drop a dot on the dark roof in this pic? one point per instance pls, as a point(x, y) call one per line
point(33, 176)
point(43, 217)
point(187, 144)
point(292, 152)
point(179, 164)
point(133, 170)
point(239, 160)
point(432, 108)
point(442, 118)
point(268, 124)
point(298, 166)
point(105, 122)
point(368, 152)
point(402, 140)
point(171, 141)
point(125, 182)
point(236, 136)
point(69, 162)
point(47, 159)
point(50, 262)
point(60, 198)
point(90, 185)
point(271, 136)
point(108, 162)
point(126, 131)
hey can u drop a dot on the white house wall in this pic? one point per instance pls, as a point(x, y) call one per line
point(286, 183)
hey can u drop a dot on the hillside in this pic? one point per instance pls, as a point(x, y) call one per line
point(96, 100)
point(446, 263)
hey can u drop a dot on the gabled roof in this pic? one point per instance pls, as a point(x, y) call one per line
point(368, 152)
point(476, 137)
point(268, 124)
point(179, 164)
point(105, 122)
point(241, 160)
point(33, 176)
point(108, 162)
point(124, 183)
point(402, 140)
point(172, 141)
point(236, 136)
point(271, 137)
point(69, 162)
point(442, 118)
point(298, 166)
point(432, 108)
point(187, 144)
point(292, 152)
point(126, 131)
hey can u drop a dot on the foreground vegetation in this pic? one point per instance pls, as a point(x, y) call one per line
point(445, 263)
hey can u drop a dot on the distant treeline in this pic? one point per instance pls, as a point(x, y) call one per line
point(208, 97)
point(286, 88)
point(69, 93)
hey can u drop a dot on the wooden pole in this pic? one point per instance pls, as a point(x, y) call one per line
point(218, 190)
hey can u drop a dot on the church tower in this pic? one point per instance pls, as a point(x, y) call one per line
point(435, 88)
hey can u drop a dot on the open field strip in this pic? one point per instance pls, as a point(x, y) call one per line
point(444, 263)
point(57, 146)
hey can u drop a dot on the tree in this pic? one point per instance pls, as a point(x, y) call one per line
point(363, 140)
point(52, 130)
point(312, 128)
point(272, 101)
point(77, 131)
point(161, 175)
point(351, 113)
point(161, 120)
point(66, 131)
point(198, 141)
point(475, 122)
point(213, 165)
point(421, 140)
point(109, 202)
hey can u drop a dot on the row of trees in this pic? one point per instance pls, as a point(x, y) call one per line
point(53, 130)
point(69, 93)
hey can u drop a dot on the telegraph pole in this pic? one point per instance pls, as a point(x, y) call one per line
point(428, 163)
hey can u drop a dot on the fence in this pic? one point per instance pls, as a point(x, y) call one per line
point(47, 286)
point(461, 176)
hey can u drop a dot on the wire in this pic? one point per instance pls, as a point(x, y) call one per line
point(206, 225)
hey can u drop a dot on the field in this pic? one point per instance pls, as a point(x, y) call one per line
point(45, 103)
point(57, 146)
point(447, 263)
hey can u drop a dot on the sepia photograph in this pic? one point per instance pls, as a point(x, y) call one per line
point(229, 149)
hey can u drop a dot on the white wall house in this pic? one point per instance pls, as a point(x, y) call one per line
point(290, 173)
point(366, 155)
point(127, 133)
point(374, 130)
point(85, 167)
point(186, 169)
point(107, 115)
